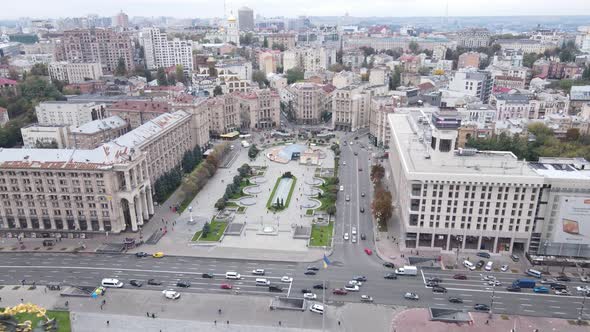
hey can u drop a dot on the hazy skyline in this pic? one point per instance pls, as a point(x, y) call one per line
point(291, 8)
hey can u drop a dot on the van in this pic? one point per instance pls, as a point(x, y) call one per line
point(232, 275)
point(262, 282)
point(488, 266)
point(111, 282)
point(469, 265)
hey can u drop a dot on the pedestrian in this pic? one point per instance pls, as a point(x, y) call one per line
point(108, 323)
point(22, 300)
point(147, 314)
point(215, 321)
point(67, 303)
point(338, 323)
point(219, 311)
point(153, 315)
point(101, 307)
point(104, 301)
point(228, 322)
point(487, 322)
point(280, 323)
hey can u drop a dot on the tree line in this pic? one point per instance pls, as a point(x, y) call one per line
point(382, 205)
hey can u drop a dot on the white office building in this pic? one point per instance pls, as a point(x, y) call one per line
point(74, 72)
point(68, 112)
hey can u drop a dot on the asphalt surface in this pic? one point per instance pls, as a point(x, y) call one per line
point(348, 260)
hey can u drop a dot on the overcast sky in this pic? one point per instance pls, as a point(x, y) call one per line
point(214, 8)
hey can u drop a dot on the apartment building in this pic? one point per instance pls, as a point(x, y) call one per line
point(529, 106)
point(350, 108)
point(472, 82)
point(197, 108)
point(579, 96)
point(287, 40)
point(310, 59)
point(92, 134)
point(309, 102)
point(525, 45)
point(71, 113)
point(469, 59)
point(74, 72)
point(393, 43)
point(474, 38)
point(379, 131)
point(161, 52)
point(269, 60)
point(104, 46)
point(138, 112)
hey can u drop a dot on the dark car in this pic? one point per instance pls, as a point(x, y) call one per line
point(481, 307)
point(362, 209)
point(274, 288)
point(207, 275)
point(319, 286)
point(313, 268)
point(390, 276)
point(310, 273)
point(305, 290)
point(183, 283)
point(431, 284)
point(460, 277)
point(558, 286)
point(513, 288)
point(363, 194)
point(356, 153)
point(439, 289)
point(388, 264)
point(455, 300)
point(563, 278)
point(141, 254)
point(434, 279)
point(480, 264)
point(339, 291)
point(135, 283)
point(360, 169)
point(483, 254)
point(359, 278)
point(154, 282)
point(363, 236)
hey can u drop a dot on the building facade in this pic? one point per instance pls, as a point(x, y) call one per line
point(309, 102)
point(161, 52)
point(36, 136)
point(138, 112)
point(473, 38)
point(69, 112)
point(246, 19)
point(475, 83)
point(94, 133)
point(74, 72)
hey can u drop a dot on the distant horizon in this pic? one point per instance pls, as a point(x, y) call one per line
point(206, 9)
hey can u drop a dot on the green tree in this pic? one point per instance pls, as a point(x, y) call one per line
point(259, 77)
point(529, 59)
point(395, 79)
point(280, 47)
point(367, 51)
point(265, 43)
point(121, 69)
point(424, 71)
point(331, 210)
point(294, 75)
point(161, 77)
point(586, 73)
point(217, 91)
point(206, 230)
point(414, 47)
point(253, 151)
point(39, 69)
point(180, 74)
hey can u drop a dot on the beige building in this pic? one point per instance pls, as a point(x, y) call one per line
point(381, 106)
point(350, 108)
point(74, 72)
point(287, 40)
point(309, 102)
point(269, 60)
point(71, 113)
point(260, 108)
point(469, 59)
point(92, 134)
point(197, 108)
point(138, 112)
point(45, 136)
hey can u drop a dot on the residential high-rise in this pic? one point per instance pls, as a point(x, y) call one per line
point(246, 19)
point(96, 45)
point(161, 52)
point(121, 20)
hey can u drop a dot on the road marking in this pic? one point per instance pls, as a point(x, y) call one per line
point(526, 305)
point(467, 300)
point(554, 306)
point(439, 298)
point(524, 299)
point(560, 313)
point(529, 310)
point(466, 295)
point(498, 302)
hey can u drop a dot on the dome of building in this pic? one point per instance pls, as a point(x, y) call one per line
point(231, 18)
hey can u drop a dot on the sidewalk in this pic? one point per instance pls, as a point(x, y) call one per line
point(418, 320)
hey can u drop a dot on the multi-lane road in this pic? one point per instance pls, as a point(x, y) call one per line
point(348, 260)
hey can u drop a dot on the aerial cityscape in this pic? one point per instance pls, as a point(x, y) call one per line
point(402, 166)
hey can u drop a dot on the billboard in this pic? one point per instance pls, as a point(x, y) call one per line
point(573, 223)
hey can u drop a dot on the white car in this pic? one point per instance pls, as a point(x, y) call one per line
point(504, 268)
point(171, 294)
point(562, 292)
point(346, 236)
point(310, 296)
point(548, 281)
point(487, 277)
point(355, 283)
point(344, 163)
point(352, 288)
point(258, 272)
point(366, 298)
point(347, 198)
point(494, 282)
point(342, 187)
point(353, 239)
point(286, 279)
point(354, 231)
point(583, 289)
point(317, 308)
point(585, 279)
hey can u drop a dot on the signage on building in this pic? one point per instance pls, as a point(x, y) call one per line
point(573, 223)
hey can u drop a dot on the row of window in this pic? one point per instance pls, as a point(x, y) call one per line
point(47, 174)
point(59, 224)
point(45, 212)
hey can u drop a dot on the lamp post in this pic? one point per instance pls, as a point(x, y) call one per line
point(190, 210)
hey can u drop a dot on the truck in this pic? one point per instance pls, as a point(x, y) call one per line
point(524, 283)
point(407, 271)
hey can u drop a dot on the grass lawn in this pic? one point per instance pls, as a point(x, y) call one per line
point(269, 204)
point(217, 229)
point(240, 193)
point(241, 209)
point(321, 236)
point(62, 317)
point(326, 203)
point(231, 204)
point(309, 212)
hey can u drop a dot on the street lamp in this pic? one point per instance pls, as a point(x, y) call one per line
point(190, 210)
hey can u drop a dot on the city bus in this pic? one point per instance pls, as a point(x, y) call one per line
point(534, 273)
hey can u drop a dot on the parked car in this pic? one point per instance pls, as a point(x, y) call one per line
point(359, 278)
point(363, 194)
point(548, 281)
point(275, 289)
point(583, 289)
point(154, 282)
point(363, 236)
point(353, 239)
point(258, 272)
point(390, 275)
point(305, 290)
point(411, 296)
point(183, 283)
point(309, 273)
point(226, 286)
point(455, 300)
point(513, 288)
point(289, 279)
point(313, 268)
point(136, 283)
point(487, 277)
point(207, 275)
point(141, 254)
point(481, 307)
point(564, 278)
point(368, 251)
point(319, 286)
point(317, 308)
point(339, 291)
point(564, 292)
point(483, 254)
point(541, 289)
point(171, 294)
point(366, 298)
point(439, 289)
point(504, 268)
point(585, 279)
point(480, 264)
point(355, 283)
point(557, 285)
point(389, 265)
point(460, 277)
point(310, 296)
point(515, 257)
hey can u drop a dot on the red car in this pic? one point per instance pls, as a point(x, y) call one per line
point(368, 251)
point(339, 291)
point(226, 286)
point(460, 277)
